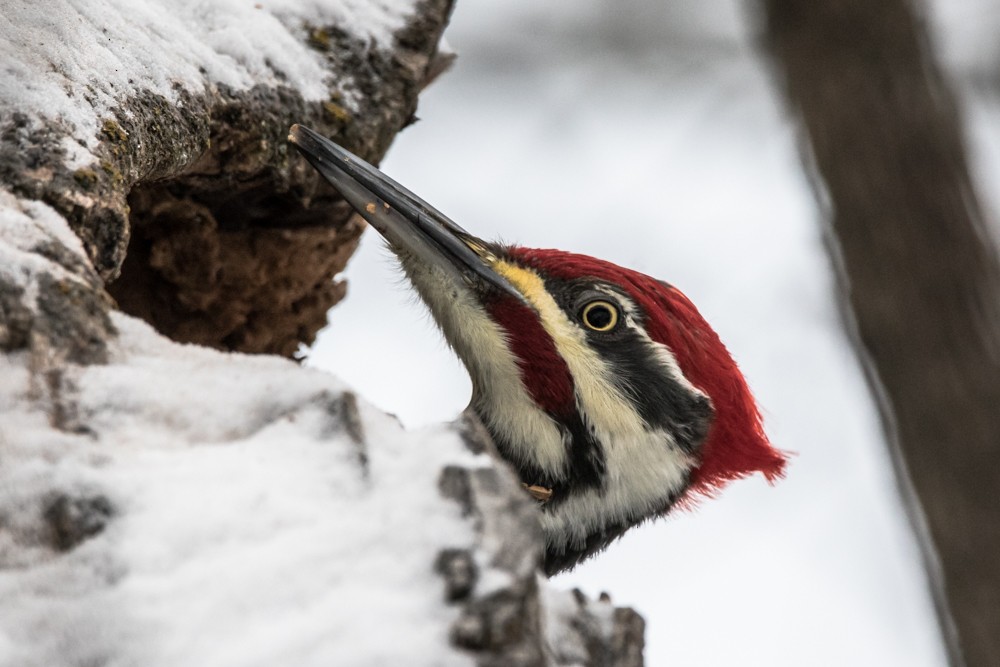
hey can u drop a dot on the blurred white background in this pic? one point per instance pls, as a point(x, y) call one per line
point(651, 134)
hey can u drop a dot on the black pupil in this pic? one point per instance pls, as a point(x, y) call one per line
point(599, 317)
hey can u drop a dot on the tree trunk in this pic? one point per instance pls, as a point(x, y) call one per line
point(919, 276)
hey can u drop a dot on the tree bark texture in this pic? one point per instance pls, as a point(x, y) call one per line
point(919, 276)
point(196, 215)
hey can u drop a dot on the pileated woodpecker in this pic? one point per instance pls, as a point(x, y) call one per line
point(603, 388)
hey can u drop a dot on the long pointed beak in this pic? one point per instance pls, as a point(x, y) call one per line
point(404, 219)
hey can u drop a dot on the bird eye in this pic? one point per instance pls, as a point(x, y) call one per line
point(600, 315)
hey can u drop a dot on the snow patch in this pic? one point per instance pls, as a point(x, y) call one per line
point(246, 528)
point(572, 622)
point(78, 59)
point(27, 225)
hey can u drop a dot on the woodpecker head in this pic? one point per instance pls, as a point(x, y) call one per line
point(604, 389)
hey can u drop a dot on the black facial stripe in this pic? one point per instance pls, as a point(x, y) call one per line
point(586, 456)
point(645, 380)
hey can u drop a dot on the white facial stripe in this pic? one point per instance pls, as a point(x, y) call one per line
point(669, 362)
point(645, 469)
point(482, 345)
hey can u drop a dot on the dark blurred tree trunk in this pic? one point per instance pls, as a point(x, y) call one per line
point(919, 275)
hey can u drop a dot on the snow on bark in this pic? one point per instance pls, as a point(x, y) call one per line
point(158, 130)
point(76, 60)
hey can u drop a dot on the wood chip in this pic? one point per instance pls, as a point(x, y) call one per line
point(539, 493)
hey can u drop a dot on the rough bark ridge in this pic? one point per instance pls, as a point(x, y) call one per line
point(132, 465)
point(920, 275)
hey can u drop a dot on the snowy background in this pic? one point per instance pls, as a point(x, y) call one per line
point(650, 134)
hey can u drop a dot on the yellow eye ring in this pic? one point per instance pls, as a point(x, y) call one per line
point(600, 315)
